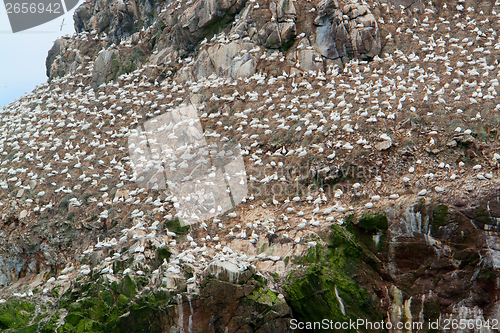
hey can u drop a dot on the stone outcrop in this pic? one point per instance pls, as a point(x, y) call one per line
point(198, 19)
point(346, 30)
point(119, 19)
point(213, 34)
point(60, 61)
point(237, 58)
point(102, 67)
point(282, 29)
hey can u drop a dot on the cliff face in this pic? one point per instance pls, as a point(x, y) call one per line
point(211, 34)
point(368, 133)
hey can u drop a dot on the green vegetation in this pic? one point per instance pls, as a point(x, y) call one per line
point(163, 253)
point(287, 45)
point(265, 297)
point(154, 38)
point(64, 203)
point(483, 216)
point(370, 230)
point(15, 313)
point(431, 310)
point(55, 291)
point(467, 256)
point(177, 226)
point(132, 62)
point(114, 67)
point(373, 223)
point(216, 27)
point(127, 286)
point(100, 306)
point(439, 215)
point(487, 275)
point(311, 290)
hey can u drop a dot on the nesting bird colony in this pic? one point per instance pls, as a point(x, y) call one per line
point(414, 122)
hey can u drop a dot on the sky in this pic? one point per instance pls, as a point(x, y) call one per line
point(22, 54)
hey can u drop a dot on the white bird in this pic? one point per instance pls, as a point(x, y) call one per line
point(154, 225)
point(439, 189)
point(422, 193)
point(173, 270)
point(139, 249)
point(88, 250)
point(67, 270)
point(107, 270)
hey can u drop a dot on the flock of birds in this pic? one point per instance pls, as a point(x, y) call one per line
point(66, 141)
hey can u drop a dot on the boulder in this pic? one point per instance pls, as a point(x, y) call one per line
point(285, 9)
point(282, 29)
point(306, 57)
point(23, 214)
point(226, 60)
point(383, 145)
point(271, 36)
point(199, 19)
point(102, 66)
point(119, 19)
point(346, 31)
point(227, 271)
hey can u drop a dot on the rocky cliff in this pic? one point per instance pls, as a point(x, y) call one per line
point(369, 137)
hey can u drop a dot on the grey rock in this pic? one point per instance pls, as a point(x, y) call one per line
point(119, 19)
point(285, 9)
point(287, 31)
point(228, 272)
point(384, 145)
point(244, 25)
point(282, 29)
point(271, 36)
point(196, 21)
point(23, 214)
point(54, 63)
point(73, 208)
point(102, 67)
point(346, 31)
point(226, 60)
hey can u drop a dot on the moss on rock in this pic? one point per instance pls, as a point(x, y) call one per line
point(177, 226)
point(163, 253)
point(15, 313)
point(373, 223)
point(127, 286)
point(312, 291)
point(439, 215)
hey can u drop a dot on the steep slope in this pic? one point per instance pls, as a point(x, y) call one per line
point(369, 139)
